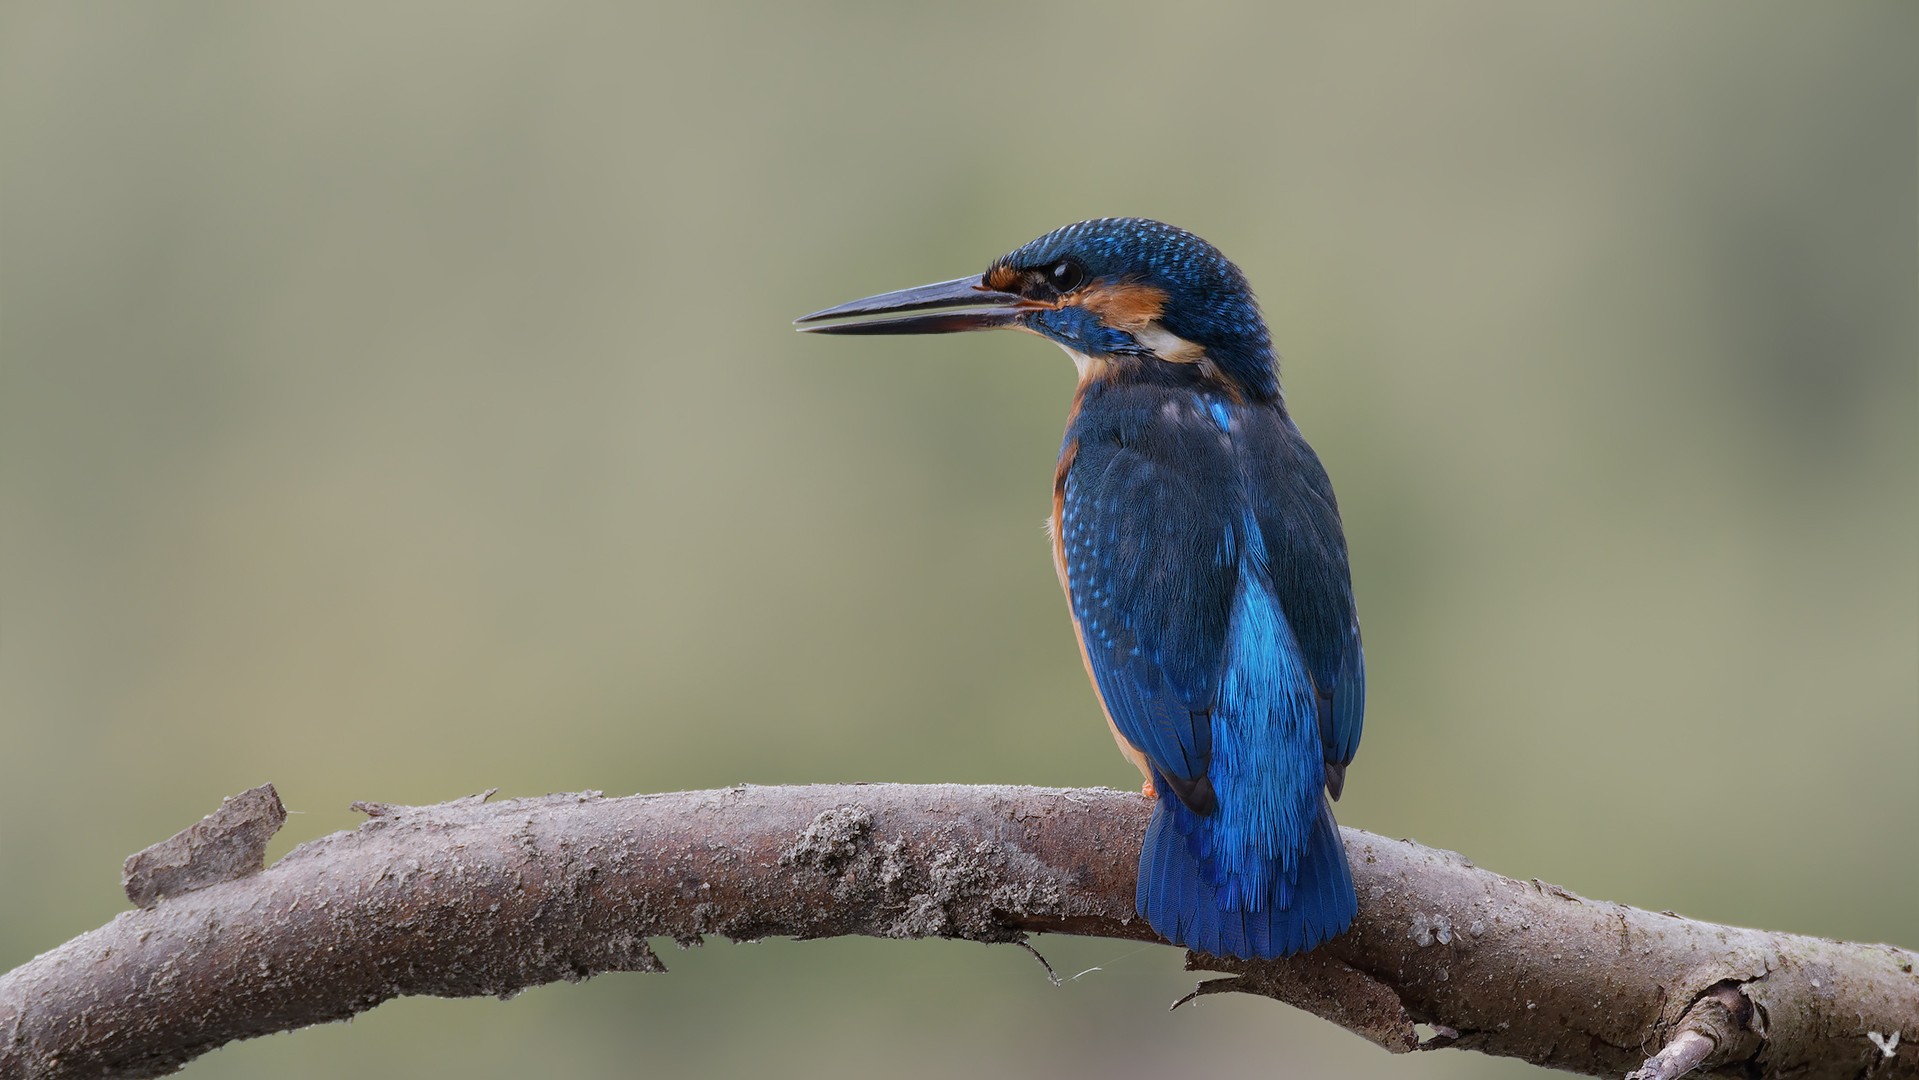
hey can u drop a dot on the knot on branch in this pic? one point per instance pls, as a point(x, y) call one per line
point(1717, 1029)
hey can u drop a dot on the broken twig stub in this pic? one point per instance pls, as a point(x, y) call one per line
point(231, 842)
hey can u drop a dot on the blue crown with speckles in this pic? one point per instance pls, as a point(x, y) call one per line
point(1207, 299)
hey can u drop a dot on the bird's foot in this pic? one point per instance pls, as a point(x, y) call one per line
point(1147, 789)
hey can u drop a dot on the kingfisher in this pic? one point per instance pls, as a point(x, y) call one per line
point(1197, 539)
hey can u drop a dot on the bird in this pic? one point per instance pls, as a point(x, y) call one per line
point(1197, 538)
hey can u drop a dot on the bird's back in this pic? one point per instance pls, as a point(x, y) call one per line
point(1206, 570)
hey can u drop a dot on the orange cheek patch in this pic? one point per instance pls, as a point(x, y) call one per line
point(1123, 306)
point(1002, 279)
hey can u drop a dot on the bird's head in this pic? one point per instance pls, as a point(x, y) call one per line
point(1118, 294)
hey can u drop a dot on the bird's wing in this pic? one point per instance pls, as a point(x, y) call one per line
point(1342, 713)
point(1150, 567)
point(1306, 551)
point(1344, 721)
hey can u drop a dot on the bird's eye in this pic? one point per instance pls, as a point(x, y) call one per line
point(1065, 275)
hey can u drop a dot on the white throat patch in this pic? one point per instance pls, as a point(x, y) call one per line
point(1088, 366)
point(1164, 344)
point(1168, 346)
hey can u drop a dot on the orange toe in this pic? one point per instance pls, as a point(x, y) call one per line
point(1147, 789)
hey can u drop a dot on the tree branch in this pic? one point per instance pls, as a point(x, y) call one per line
point(467, 898)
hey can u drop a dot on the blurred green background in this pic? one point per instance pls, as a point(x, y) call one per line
point(398, 401)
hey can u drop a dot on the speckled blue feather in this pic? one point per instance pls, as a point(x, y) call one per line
point(1207, 573)
point(1179, 589)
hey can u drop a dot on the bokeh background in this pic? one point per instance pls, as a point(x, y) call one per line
point(398, 401)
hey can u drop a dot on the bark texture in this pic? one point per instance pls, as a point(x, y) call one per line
point(470, 898)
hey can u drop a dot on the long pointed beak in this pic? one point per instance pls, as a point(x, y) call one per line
point(991, 309)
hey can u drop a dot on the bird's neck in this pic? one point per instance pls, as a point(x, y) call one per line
point(1199, 375)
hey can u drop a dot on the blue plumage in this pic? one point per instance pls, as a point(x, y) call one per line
point(1189, 911)
point(1183, 538)
point(1200, 546)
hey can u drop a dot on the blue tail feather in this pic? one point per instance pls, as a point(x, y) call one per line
point(1187, 910)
